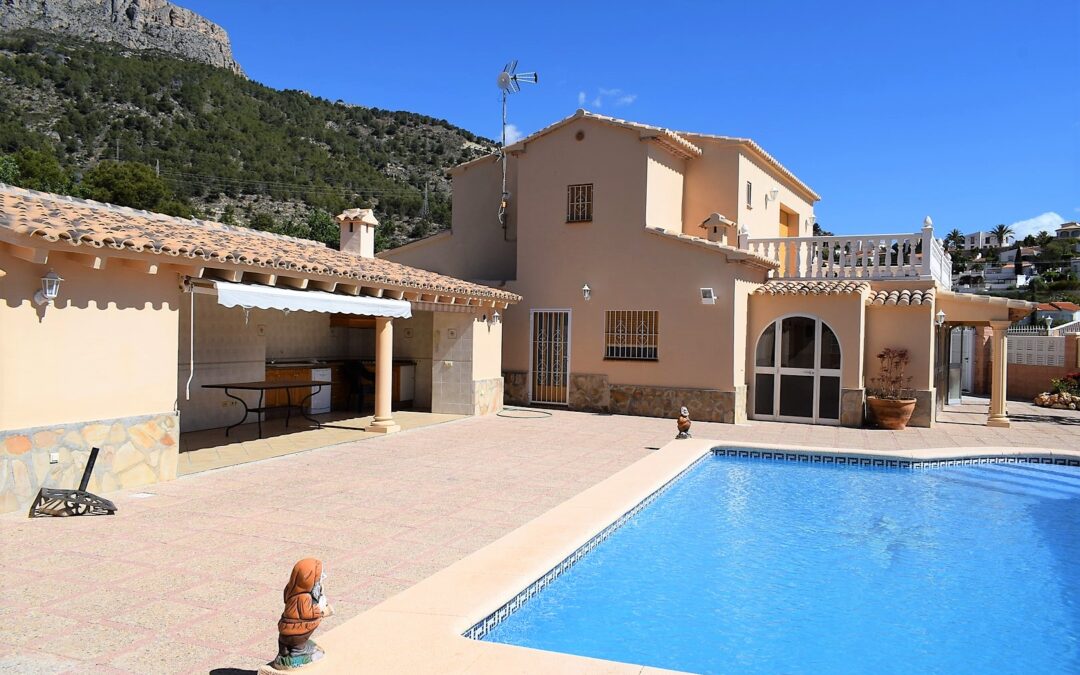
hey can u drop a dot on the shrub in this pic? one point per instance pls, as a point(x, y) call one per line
point(890, 383)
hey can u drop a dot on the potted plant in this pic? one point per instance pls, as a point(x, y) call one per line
point(886, 398)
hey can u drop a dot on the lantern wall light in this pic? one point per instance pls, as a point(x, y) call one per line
point(940, 319)
point(586, 292)
point(50, 288)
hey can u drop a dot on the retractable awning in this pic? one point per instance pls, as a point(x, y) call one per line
point(268, 297)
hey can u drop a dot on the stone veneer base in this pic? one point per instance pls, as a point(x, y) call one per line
point(135, 451)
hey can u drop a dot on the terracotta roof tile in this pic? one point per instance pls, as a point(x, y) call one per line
point(79, 222)
point(813, 287)
point(902, 297)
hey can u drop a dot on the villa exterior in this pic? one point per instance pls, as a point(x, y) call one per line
point(663, 268)
point(150, 308)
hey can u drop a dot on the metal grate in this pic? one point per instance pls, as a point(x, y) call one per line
point(550, 377)
point(579, 203)
point(631, 334)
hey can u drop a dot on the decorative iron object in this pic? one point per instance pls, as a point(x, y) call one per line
point(61, 503)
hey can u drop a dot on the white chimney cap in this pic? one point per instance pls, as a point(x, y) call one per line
point(365, 216)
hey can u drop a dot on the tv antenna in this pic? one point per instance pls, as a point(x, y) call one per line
point(510, 83)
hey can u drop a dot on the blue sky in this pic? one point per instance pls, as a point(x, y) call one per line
point(966, 111)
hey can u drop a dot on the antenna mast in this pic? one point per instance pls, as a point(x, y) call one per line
point(510, 83)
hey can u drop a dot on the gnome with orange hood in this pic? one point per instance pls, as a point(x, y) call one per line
point(305, 606)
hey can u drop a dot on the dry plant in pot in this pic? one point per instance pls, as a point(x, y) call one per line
point(886, 397)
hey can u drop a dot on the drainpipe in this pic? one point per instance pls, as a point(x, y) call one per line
point(191, 343)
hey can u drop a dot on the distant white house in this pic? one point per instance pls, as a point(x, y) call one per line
point(984, 239)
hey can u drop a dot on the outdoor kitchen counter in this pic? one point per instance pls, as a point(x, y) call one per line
point(404, 378)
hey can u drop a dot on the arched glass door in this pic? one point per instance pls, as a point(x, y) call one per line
point(797, 372)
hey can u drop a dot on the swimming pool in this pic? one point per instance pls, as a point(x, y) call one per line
point(766, 566)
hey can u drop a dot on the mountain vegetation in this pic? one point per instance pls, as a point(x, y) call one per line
point(147, 130)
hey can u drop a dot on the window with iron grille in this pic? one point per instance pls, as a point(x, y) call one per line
point(579, 203)
point(631, 334)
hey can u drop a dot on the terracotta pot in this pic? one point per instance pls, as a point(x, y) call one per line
point(891, 413)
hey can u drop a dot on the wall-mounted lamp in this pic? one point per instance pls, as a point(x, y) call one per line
point(495, 318)
point(1049, 321)
point(586, 292)
point(772, 194)
point(940, 318)
point(50, 288)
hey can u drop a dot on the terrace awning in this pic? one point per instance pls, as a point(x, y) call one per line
point(251, 296)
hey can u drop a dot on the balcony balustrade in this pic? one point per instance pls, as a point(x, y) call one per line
point(869, 256)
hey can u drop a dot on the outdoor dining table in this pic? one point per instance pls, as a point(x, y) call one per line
point(262, 386)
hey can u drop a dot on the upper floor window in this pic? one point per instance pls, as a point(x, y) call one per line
point(579, 203)
point(631, 334)
point(749, 194)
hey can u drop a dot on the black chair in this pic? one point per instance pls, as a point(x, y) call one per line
point(361, 381)
point(59, 502)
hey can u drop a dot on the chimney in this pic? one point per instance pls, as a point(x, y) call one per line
point(358, 231)
point(719, 229)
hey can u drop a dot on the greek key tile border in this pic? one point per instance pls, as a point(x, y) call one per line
point(483, 627)
point(885, 462)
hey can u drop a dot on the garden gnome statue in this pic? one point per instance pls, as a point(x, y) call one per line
point(683, 423)
point(305, 606)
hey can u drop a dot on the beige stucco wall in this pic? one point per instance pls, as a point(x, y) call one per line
point(910, 328)
point(487, 348)
point(763, 219)
point(664, 197)
point(716, 183)
point(105, 350)
point(477, 246)
point(712, 186)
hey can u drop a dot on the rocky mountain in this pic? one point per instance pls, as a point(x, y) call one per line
point(225, 147)
point(134, 24)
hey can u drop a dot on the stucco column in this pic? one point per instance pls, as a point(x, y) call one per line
point(999, 368)
point(384, 372)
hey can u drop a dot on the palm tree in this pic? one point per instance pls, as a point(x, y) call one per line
point(955, 240)
point(1001, 233)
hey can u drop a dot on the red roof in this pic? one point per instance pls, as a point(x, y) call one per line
point(1046, 307)
point(1067, 306)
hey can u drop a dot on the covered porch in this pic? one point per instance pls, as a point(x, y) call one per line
point(956, 310)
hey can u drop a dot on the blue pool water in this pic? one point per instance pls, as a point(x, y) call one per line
point(754, 566)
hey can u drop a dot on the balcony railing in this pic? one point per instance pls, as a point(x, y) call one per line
point(872, 256)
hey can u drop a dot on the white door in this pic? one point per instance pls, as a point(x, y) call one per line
point(797, 372)
point(549, 376)
point(967, 358)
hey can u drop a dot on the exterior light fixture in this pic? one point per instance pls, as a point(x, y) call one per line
point(495, 318)
point(50, 288)
point(941, 318)
point(586, 292)
point(1049, 321)
point(772, 194)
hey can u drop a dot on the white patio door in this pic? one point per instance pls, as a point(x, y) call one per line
point(549, 376)
point(797, 372)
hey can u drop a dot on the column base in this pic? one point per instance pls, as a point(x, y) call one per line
point(1002, 422)
point(388, 426)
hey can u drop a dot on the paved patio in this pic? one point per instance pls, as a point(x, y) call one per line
point(187, 577)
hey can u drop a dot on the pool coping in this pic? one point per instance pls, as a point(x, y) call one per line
point(422, 629)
